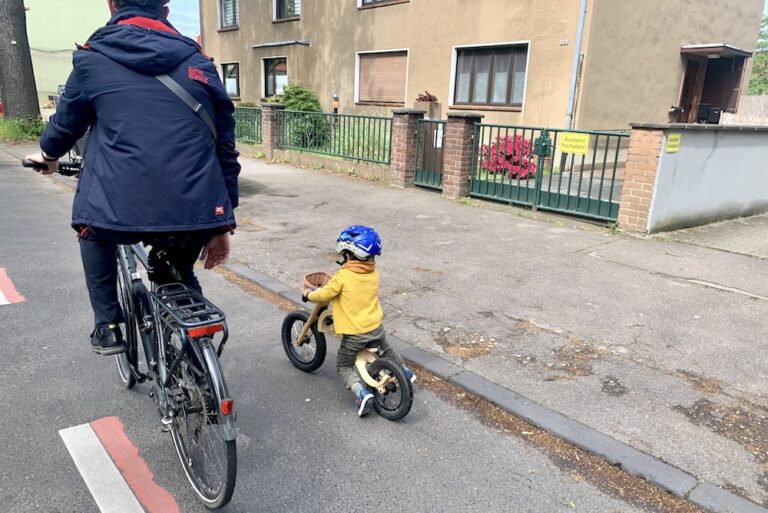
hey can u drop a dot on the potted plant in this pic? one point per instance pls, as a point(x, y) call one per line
point(428, 103)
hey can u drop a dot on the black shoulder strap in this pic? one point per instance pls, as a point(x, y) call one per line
point(187, 98)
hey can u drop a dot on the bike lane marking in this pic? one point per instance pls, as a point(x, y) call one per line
point(8, 293)
point(116, 475)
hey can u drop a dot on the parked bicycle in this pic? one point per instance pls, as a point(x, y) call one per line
point(177, 328)
point(303, 337)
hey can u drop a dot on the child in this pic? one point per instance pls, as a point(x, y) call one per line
point(354, 294)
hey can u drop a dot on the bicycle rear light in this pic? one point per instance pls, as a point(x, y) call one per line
point(204, 331)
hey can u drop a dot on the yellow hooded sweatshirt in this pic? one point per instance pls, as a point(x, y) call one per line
point(354, 296)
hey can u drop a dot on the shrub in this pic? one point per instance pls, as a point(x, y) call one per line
point(311, 131)
point(21, 129)
point(297, 96)
point(509, 155)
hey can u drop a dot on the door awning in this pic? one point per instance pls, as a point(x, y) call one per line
point(715, 50)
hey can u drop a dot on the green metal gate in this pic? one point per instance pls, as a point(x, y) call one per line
point(428, 166)
point(571, 171)
point(248, 125)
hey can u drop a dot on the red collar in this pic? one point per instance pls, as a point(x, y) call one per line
point(147, 23)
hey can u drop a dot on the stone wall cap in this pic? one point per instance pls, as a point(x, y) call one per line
point(466, 115)
point(700, 127)
point(411, 112)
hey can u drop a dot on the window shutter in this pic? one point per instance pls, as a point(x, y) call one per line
point(229, 14)
point(382, 77)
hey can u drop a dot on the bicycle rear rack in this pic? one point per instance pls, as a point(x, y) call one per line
point(179, 306)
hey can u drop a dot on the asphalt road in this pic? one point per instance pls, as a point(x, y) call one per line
point(300, 445)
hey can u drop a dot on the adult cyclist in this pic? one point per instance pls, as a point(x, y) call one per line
point(155, 171)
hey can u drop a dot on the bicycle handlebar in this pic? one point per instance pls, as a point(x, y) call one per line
point(65, 168)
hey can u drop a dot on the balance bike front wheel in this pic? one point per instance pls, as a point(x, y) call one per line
point(310, 354)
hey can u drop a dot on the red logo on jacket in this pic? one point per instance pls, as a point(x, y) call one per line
point(219, 210)
point(197, 74)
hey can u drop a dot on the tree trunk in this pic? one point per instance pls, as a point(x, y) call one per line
point(17, 77)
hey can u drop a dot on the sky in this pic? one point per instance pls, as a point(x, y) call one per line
point(185, 16)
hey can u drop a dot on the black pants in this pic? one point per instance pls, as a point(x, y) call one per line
point(98, 250)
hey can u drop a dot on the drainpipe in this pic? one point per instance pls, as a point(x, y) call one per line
point(576, 61)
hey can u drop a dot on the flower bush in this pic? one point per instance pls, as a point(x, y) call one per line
point(509, 155)
point(426, 96)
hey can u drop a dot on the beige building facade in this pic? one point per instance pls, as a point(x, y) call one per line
point(513, 61)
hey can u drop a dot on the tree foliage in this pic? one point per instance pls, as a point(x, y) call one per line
point(759, 81)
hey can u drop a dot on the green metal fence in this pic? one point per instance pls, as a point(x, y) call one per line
point(248, 125)
point(428, 167)
point(362, 138)
point(574, 172)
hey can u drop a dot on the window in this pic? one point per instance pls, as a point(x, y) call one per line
point(286, 9)
point(275, 76)
point(382, 77)
point(229, 14)
point(491, 75)
point(231, 74)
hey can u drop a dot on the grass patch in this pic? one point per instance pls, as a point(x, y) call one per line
point(21, 129)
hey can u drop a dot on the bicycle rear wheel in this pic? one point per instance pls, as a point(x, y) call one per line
point(208, 459)
point(130, 333)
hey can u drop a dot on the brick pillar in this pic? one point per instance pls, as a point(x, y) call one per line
point(269, 128)
point(640, 177)
point(404, 127)
point(457, 153)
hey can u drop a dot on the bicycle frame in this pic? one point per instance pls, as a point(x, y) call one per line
point(155, 310)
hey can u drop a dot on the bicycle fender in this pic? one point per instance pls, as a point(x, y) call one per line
point(220, 388)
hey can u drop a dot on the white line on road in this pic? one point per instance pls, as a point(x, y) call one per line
point(109, 489)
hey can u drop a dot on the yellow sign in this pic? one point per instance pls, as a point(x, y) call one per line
point(572, 142)
point(673, 142)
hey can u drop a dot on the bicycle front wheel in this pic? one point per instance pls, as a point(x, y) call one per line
point(208, 458)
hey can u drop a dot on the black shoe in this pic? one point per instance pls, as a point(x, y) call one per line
point(108, 340)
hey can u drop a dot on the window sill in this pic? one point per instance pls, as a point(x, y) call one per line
point(382, 4)
point(229, 29)
point(382, 104)
point(235, 98)
point(486, 107)
point(287, 20)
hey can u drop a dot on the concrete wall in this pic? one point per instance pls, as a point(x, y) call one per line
point(718, 173)
point(633, 70)
point(54, 26)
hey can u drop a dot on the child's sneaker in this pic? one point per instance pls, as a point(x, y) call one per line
point(409, 375)
point(364, 402)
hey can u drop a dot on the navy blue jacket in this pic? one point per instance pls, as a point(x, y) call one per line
point(151, 163)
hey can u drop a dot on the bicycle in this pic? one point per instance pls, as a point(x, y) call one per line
point(303, 337)
point(177, 327)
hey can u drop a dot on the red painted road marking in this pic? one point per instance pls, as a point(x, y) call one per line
point(140, 479)
point(8, 293)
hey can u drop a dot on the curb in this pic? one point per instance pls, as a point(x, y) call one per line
point(668, 477)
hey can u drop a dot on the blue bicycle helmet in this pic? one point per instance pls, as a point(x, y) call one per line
point(362, 241)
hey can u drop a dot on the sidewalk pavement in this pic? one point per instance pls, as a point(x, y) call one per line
point(657, 344)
